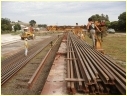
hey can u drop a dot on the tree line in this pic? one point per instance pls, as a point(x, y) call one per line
point(119, 25)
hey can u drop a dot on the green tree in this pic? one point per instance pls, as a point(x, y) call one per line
point(104, 17)
point(5, 21)
point(122, 21)
point(98, 17)
point(108, 23)
point(32, 23)
point(17, 27)
point(114, 25)
point(4, 27)
point(95, 17)
point(6, 24)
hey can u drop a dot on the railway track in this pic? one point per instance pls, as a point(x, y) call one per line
point(13, 64)
point(87, 70)
point(55, 46)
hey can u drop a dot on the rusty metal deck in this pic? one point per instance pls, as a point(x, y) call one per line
point(55, 83)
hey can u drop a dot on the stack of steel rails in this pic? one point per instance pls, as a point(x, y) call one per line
point(91, 72)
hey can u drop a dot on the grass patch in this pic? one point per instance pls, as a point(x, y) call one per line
point(114, 46)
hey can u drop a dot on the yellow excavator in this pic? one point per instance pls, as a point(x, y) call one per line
point(27, 34)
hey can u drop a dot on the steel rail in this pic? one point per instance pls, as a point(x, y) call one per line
point(10, 60)
point(68, 65)
point(72, 71)
point(95, 61)
point(117, 76)
point(82, 63)
point(86, 63)
point(41, 66)
point(104, 74)
point(6, 75)
point(10, 65)
point(77, 70)
point(109, 61)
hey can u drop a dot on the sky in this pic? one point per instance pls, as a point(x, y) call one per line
point(60, 12)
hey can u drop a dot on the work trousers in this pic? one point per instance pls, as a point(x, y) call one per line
point(26, 51)
point(92, 33)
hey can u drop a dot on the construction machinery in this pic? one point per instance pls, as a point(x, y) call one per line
point(55, 28)
point(27, 34)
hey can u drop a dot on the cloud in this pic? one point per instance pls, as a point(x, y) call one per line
point(61, 12)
